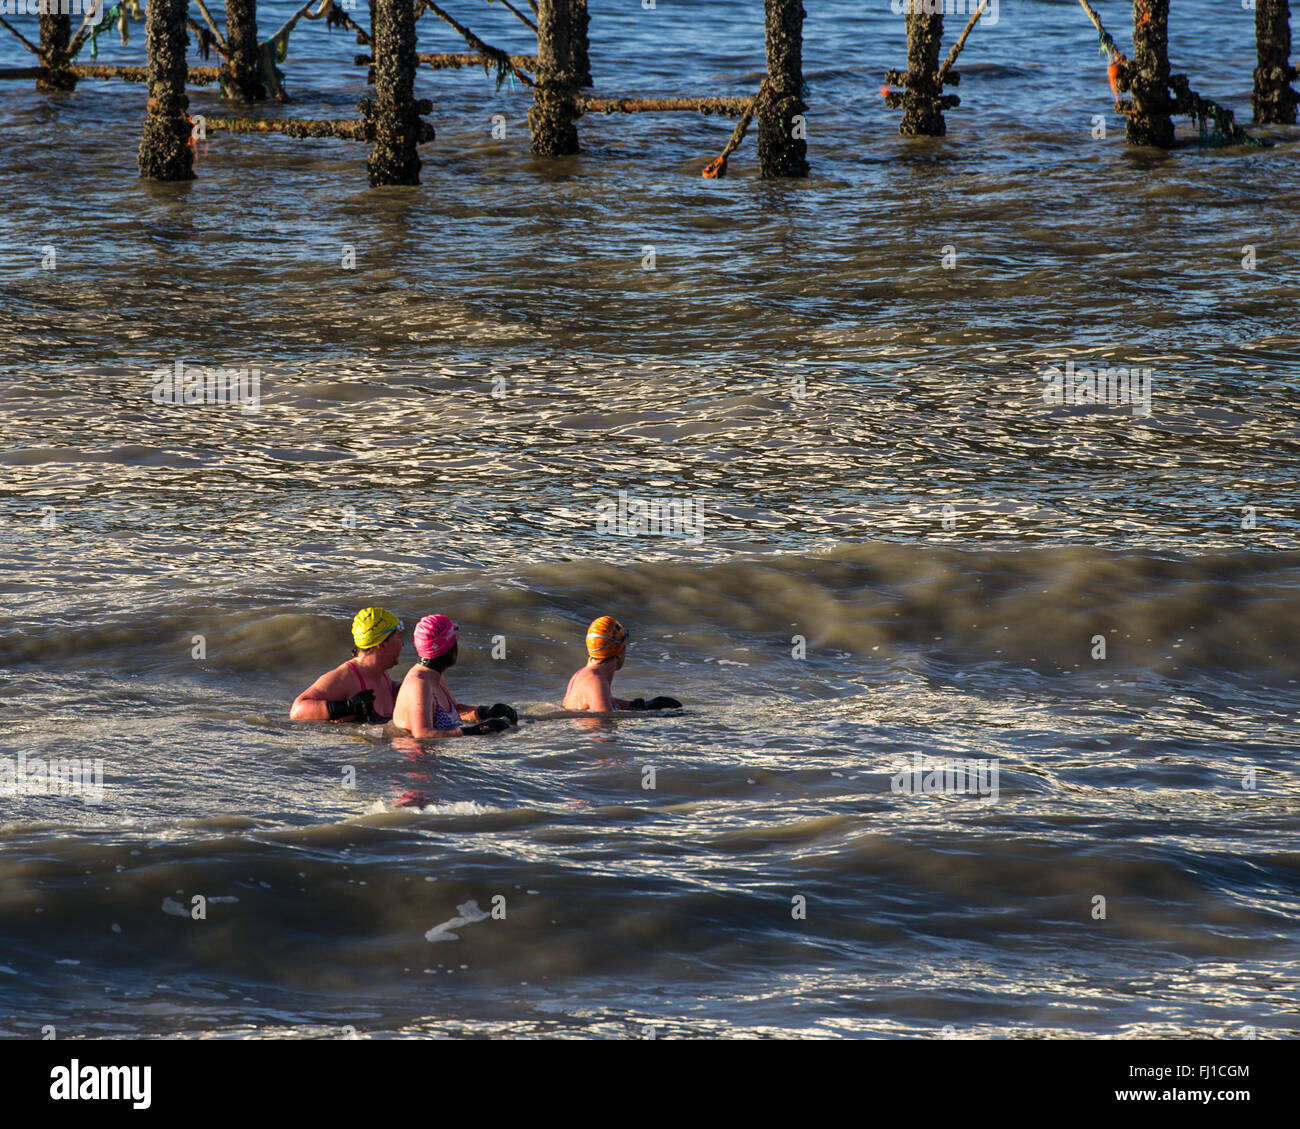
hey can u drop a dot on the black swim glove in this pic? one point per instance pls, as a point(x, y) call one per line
point(660, 703)
point(483, 728)
point(359, 707)
point(498, 710)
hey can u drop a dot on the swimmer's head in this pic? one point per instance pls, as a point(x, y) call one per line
point(606, 639)
point(435, 635)
point(372, 627)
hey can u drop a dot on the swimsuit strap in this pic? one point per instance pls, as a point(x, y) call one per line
point(353, 667)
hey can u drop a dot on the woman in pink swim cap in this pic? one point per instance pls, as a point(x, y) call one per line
point(425, 705)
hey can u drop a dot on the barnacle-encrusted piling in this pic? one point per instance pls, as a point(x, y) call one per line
point(582, 43)
point(1274, 99)
point(923, 101)
point(555, 111)
point(166, 152)
point(56, 32)
point(1149, 123)
point(394, 113)
point(782, 150)
point(243, 69)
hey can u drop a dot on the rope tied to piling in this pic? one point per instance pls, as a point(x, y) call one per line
point(492, 56)
point(274, 49)
point(1118, 64)
point(118, 14)
point(121, 15)
point(961, 41)
point(524, 19)
point(21, 37)
point(1216, 126)
point(210, 34)
point(944, 76)
point(717, 168)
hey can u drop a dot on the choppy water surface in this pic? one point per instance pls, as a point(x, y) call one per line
point(903, 550)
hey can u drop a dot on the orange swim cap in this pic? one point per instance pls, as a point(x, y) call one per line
point(606, 638)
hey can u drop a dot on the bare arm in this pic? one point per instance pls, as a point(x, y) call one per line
point(311, 705)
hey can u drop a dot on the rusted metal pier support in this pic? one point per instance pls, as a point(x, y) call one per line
point(242, 71)
point(555, 111)
point(56, 72)
point(165, 149)
point(782, 149)
point(1149, 122)
point(394, 113)
point(1274, 98)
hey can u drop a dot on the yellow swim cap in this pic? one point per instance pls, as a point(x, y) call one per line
point(372, 626)
point(606, 638)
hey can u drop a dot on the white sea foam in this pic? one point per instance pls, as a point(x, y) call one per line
point(468, 913)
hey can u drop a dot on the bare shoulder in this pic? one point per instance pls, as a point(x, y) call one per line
point(584, 691)
point(416, 678)
point(333, 683)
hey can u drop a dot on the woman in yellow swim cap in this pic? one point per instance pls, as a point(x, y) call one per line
point(371, 626)
point(360, 690)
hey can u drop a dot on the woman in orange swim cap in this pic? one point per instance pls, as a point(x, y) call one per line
point(591, 687)
point(606, 639)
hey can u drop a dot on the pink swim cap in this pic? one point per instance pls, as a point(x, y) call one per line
point(434, 635)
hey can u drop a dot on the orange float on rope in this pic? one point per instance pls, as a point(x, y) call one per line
point(1112, 73)
point(715, 168)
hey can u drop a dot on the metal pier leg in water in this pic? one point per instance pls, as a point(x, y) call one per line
point(1274, 98)
point(1150, 123)
point(394, 112)
point(782, 148)
point(555, 111)
point(582, 43)
point(922, 108)
point(243, 71)
point(56, 32)
point(165, 149)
